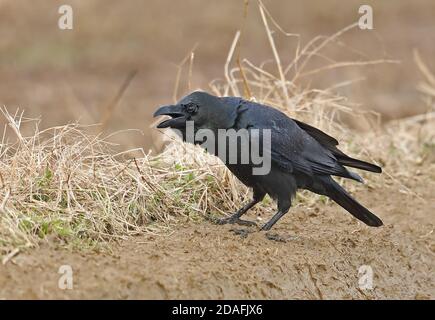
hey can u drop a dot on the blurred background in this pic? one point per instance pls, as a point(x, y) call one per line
point(61, 76)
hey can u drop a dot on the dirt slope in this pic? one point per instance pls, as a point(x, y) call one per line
point(325, 247)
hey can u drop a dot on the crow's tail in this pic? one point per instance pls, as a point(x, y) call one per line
point(334, 191)
point(359, 164)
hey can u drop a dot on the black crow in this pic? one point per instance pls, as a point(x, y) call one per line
point(301, 156)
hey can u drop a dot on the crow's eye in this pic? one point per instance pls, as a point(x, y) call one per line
point(191, 108)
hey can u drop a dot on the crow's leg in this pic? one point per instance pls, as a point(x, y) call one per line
point(283, 207)
point(235, 218)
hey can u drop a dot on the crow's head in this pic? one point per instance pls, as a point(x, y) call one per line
point(205, 110)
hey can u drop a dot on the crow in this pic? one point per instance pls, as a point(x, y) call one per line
point(301, 156)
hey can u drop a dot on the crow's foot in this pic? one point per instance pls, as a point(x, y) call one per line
point(278, 238)
point(234, 220)
point(241, 232)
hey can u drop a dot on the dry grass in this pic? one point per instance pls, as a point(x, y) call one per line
point(68, 184)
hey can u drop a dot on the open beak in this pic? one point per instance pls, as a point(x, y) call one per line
point(178, 118)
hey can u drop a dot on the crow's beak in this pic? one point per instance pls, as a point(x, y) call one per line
point(178, 118)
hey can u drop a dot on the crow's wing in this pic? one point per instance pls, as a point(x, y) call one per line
point(321, 137)
point(294, 147)
point(331, 144)
point(291, 147)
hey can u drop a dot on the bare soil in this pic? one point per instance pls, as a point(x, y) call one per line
point(323, 250)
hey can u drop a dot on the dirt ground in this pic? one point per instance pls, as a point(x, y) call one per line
point(323, 250)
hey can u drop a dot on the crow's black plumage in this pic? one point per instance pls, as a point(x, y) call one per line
point(302, 157)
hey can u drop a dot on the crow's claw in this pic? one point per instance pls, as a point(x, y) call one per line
point(278, 238)
point(241, 232)
point(231, 220)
